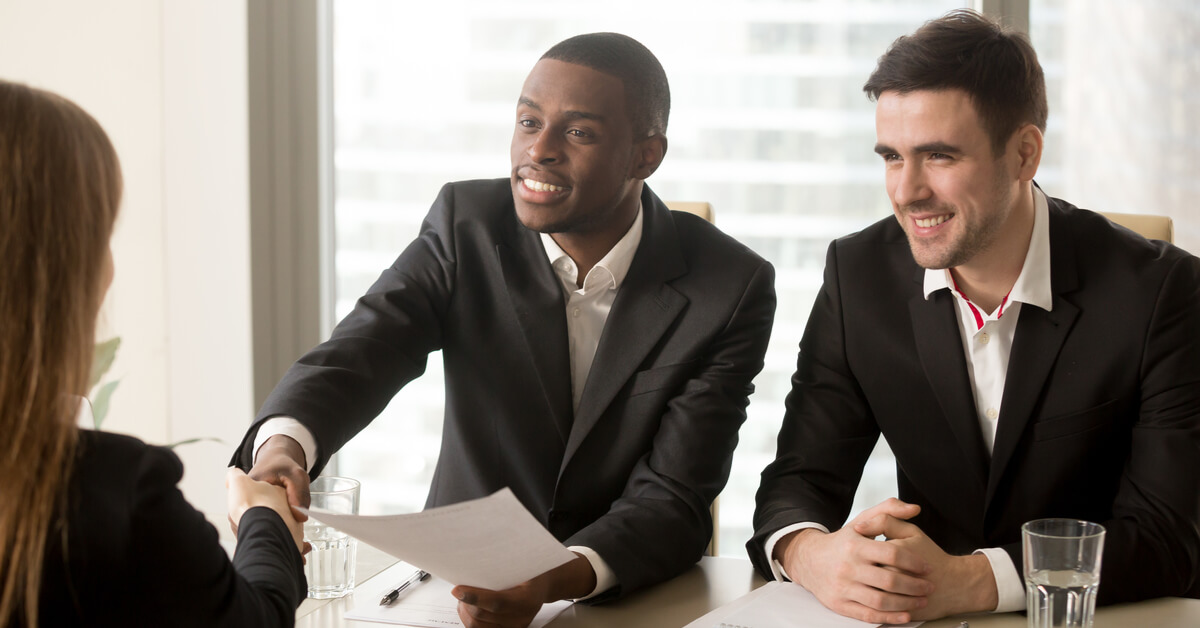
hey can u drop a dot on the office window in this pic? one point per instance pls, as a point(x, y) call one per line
point(1124, 89)
point(768, 123)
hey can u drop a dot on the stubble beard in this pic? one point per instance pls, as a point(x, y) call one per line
point(973, 240)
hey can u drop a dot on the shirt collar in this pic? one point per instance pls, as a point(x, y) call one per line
point(1033, 284)
point(609, 271)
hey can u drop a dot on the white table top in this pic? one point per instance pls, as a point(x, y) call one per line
point(717, 581)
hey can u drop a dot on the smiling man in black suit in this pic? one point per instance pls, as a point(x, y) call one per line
point(1022, 357)
point(598, 348)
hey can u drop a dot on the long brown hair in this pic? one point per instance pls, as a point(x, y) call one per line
point(60, 185)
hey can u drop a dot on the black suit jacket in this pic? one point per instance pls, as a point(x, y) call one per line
point(631, 475)
point(1100, 417)
point(130, 551)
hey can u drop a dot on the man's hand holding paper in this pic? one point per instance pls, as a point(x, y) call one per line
point(490, 543)
point(517, 606)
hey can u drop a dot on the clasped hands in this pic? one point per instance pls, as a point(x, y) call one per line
point(903, 578)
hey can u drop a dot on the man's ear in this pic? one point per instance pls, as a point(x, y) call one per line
point(1029, 151)
point(647, 155)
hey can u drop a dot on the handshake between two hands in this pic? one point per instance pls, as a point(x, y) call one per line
point(903, 577)
point(244, 493)
point(280, 481)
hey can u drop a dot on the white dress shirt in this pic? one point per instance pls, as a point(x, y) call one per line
point(588, 307)
point(987, 342)
point(587, 310)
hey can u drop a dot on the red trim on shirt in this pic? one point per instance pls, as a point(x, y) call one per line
point(975, 310)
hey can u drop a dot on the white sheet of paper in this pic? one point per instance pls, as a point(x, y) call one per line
point(492, 542)
point(780, 605)
point(428, 604)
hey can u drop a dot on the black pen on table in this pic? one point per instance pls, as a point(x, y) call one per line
point(420, 576)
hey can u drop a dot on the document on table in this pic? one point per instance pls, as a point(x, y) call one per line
point(491, 543)
point(779, 605)
point(427, 603)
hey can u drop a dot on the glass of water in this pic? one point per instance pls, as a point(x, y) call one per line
point(330, 564)
point(1062, 571)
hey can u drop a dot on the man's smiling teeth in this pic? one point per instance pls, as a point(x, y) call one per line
point(932, 222)
point(538, 186)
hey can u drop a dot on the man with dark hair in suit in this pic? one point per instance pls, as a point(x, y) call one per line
point(1022, 357)
point(598, 348)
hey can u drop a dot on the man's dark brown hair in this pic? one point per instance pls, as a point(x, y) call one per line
point(996, 67)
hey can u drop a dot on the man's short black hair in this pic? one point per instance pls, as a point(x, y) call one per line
point(646, 91)
point(996, 67)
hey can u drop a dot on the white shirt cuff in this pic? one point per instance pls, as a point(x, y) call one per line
point(1010, 589)
point(292, 428)
point(776, 566)
point(605, 578)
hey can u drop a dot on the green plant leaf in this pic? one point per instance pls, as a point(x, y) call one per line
point(100, 402)
point(189, 441)
point(102, 359)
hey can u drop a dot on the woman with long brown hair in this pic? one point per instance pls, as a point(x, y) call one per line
point(93, 530)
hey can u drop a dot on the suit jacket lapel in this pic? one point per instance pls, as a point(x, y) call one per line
point(643, 310)
point(537, 299)
point(1038, 340)
point(939, 346)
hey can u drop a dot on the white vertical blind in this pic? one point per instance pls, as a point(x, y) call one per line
point(1124, 129)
